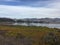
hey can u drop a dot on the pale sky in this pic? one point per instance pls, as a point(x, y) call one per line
point(30, 8)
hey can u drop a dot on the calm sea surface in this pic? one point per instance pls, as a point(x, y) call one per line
point(40, 24)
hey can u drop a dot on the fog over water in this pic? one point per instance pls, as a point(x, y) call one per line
point(39, 24)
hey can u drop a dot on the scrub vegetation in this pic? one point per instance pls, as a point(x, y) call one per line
point(29, 35)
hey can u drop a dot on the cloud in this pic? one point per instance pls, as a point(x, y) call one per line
point(28, 12)
point(34, 3)
point(9, 0)
point(30, 9)
point(54, 5)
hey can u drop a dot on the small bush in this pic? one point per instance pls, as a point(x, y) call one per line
point(3, 32)
point(51, 39)
point(20, 36)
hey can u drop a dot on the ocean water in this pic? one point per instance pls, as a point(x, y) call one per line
point(39, 24)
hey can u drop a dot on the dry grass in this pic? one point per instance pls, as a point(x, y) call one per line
point(35, 34)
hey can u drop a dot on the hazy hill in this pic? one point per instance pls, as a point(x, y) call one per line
point(6, 20)
point(31, 20)
point(41, 20)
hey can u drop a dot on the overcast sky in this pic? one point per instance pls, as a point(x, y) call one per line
point(30, 8)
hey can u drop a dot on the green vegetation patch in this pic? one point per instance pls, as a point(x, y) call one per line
point(29, 35)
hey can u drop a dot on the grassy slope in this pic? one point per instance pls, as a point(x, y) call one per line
point(34, 33)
